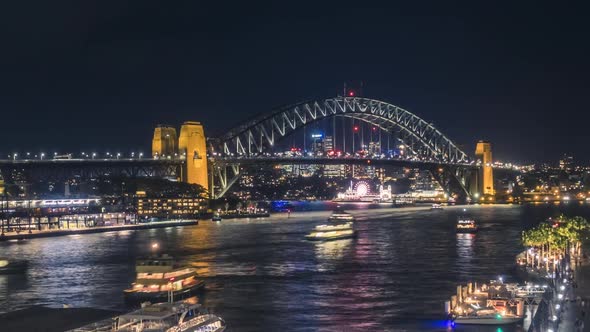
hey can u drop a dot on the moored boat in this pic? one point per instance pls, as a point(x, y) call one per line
point(181, 316)
point(487, 316)
point(436, 207)
point(160, 279)
point(13, 266)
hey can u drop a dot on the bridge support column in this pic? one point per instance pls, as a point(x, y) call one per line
point(455, 181)
point(220, 183)
point(483, 152)
point(192, 144)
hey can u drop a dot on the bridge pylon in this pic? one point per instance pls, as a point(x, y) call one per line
point(192, 145)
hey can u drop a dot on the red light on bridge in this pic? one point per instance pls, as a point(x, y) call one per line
point(351, 93)
point(374, 128)
point(355, 128)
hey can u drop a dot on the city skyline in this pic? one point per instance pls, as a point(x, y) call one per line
point(111, 77)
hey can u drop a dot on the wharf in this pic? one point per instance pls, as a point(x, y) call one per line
point(575, 309)
point(99, 229)
point(44, 319)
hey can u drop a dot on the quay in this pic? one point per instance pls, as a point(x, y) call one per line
point(97, 229)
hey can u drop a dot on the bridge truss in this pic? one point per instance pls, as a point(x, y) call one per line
point(260, 134)
point(251, 140)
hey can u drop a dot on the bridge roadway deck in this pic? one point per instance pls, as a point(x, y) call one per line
point(89, 162)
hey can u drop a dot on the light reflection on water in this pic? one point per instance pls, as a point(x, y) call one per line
point(262, 274)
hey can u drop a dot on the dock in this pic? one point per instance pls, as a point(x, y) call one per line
point(533, 303)
point(98, 229)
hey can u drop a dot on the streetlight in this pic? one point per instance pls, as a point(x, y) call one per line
point(14, 156)
point(140, 155)
point(93, 155)
point(42, 155)
point(118, 155)
point(132, 154)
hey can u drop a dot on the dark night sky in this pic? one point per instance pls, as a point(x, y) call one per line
point(99, 75)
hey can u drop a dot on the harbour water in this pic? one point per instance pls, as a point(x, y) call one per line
point(262, 274)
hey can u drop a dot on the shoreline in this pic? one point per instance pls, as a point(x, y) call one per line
point(100, 229)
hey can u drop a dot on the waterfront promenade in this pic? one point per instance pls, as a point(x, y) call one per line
point(578, 309)
point(98, 229)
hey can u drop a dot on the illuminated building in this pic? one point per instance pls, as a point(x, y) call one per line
point(192, 144)
point(566, 163)
point(334, 171)
point(374, 148)
point(483, 152)
point(317, 146)
point(177, 207)
point(164, 142)
point(328, 143)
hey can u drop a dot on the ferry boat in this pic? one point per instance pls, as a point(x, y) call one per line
point(333, 227)
point(436, 207)
point(466, 225)
point(331, 235)
point(179, 316)
point(216, 217)
point(13, 266)
point(341, 215)
point(332, 232)
point(160, 279)
point(486, 316)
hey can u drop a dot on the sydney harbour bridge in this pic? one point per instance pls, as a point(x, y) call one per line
point(216, 162)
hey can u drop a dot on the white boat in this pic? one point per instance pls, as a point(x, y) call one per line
point(336, 227)
point(182, 316)
point(341, 215)
point(436, 207)
point(331, 235)
point(486, 316)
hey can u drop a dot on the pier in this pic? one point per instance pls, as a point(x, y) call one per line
point(98, 229)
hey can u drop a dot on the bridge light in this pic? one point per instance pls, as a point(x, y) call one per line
point(351, 93)
point(355, 128)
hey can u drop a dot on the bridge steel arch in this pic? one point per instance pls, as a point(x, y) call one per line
point(261, 133)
